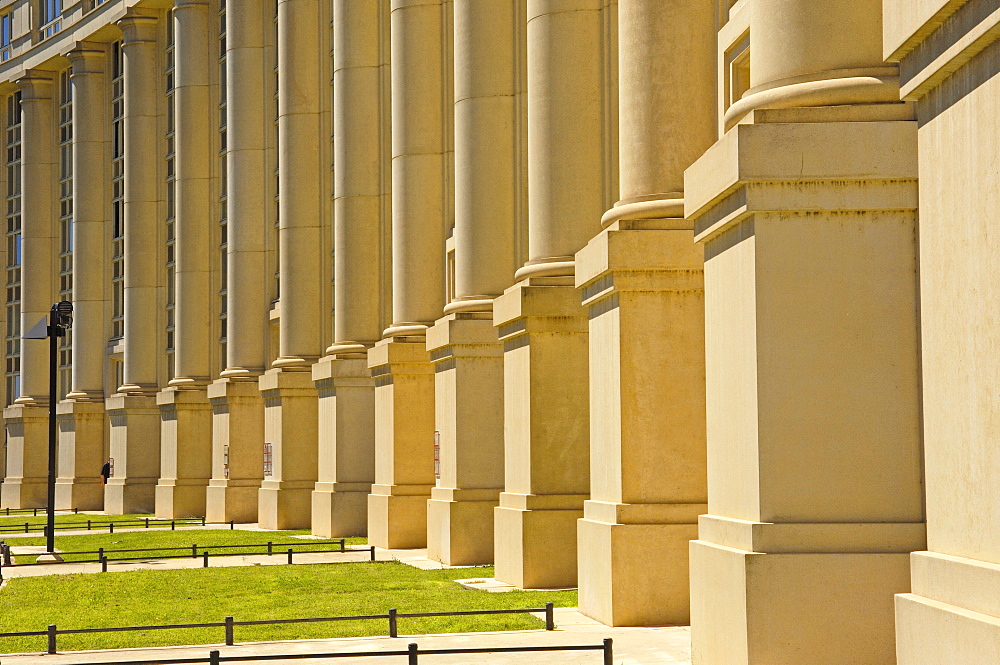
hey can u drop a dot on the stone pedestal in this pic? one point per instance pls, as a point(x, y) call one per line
point(290, 424)
point(404, 442)
point(26, 482)
point(237, 451)
point(135, 448)
point(468, 403)
point(81, 455)
point(814, 451)
point(642, 283)
point(346, 446)
point(543, 328)
point(185, 452)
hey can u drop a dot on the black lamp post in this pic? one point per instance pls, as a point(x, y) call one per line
point(60, 320)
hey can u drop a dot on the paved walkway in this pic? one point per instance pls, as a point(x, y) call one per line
point(632, 646)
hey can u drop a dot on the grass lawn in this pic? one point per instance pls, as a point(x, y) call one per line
point(158, 538)
point(10, 521)
point(271, 592)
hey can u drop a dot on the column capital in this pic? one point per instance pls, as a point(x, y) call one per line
point(35, 84)
point(137, 28)
point(87, 58)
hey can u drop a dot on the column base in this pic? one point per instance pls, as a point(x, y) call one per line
point(26, 483)
point(135, 448)
point(284, 504)
point(395, 521)
point(340, 510)
point(635, 574)
point(805, 599)
point(185, 452)
point(226, 501)
point(81, 455)
point(460, 526)
point(952, 614)
point(237, 450)
point(535, 540)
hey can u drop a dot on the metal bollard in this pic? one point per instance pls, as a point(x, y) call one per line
point(52, 638)
point(88, 525)
point(550, 620)
point(111, 527)
point(343, 544)
point(232, 524)
point(609, 656)
point(147, 522)
point(289, 555)
point(104, 564)
point(26, 527)
point(411, 654)
point(34, 512)
point(269, 548)
point(229, 631)
point(173, 527)
point(206, 559)
point(203, 520)
point(373, 552)
point(393, 629)
point(213, 657)
point(194, 551)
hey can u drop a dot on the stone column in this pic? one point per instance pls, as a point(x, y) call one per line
point(421, 215)
point(237, 405)
point(290, 400)
point(571, 182)
point(185, 412)
point(27, 418)
point(134, 416)
point(641, 280)
point(807, 213)
point(489, 212)
point(81, 416)
point(361, 215)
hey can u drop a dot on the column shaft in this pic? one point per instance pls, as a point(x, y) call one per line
point(237, 407)
point(185, 413)
point(291, 414)
point(422, 112)
point(82, 416)
point(641, 279)
point(361, 217)
point(134, 416)
point(490, 210)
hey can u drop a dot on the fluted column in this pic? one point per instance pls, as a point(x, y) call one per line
point(27, 450)
point(361, 216)
point(81, 415)
point(135, 422)
point(490, 211)
point(422, 110)
point(641, 280)
point(185, 413)
point(806, 210)
point(237, 406)
point(572, 179)
point(291, 414)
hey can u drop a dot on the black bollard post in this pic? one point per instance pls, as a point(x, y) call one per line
point(289, 555)
point(229, 631)
point(213, 657)
point(206, 559)
point(411, 653)
point(609, 656)
point(52, 638)
point(393, 630)
point(104, 564)
point(550, 621)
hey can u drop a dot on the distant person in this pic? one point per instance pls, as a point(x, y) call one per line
point(106, 472)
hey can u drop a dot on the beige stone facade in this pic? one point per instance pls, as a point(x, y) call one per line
point(686, 304)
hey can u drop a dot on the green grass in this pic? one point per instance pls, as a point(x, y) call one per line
point(154, 539)
point(271, 592)
point(69, 518)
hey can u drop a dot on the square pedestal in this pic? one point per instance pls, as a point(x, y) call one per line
point(26, 483)
point(290, 427)
point(535, 540)
point(185, 452)
point(788, 609)
point(396, 522)
point(952, 615)
point(404, 443)
point(346, 455)
point(81, 455)
point(237, 450)
point(468, 406)
point(460, 526)
point(135, 448)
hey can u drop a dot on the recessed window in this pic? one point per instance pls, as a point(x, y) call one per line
point(51, 17)
point(5, 36)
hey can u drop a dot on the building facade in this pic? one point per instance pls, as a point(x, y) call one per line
point(686, 303)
